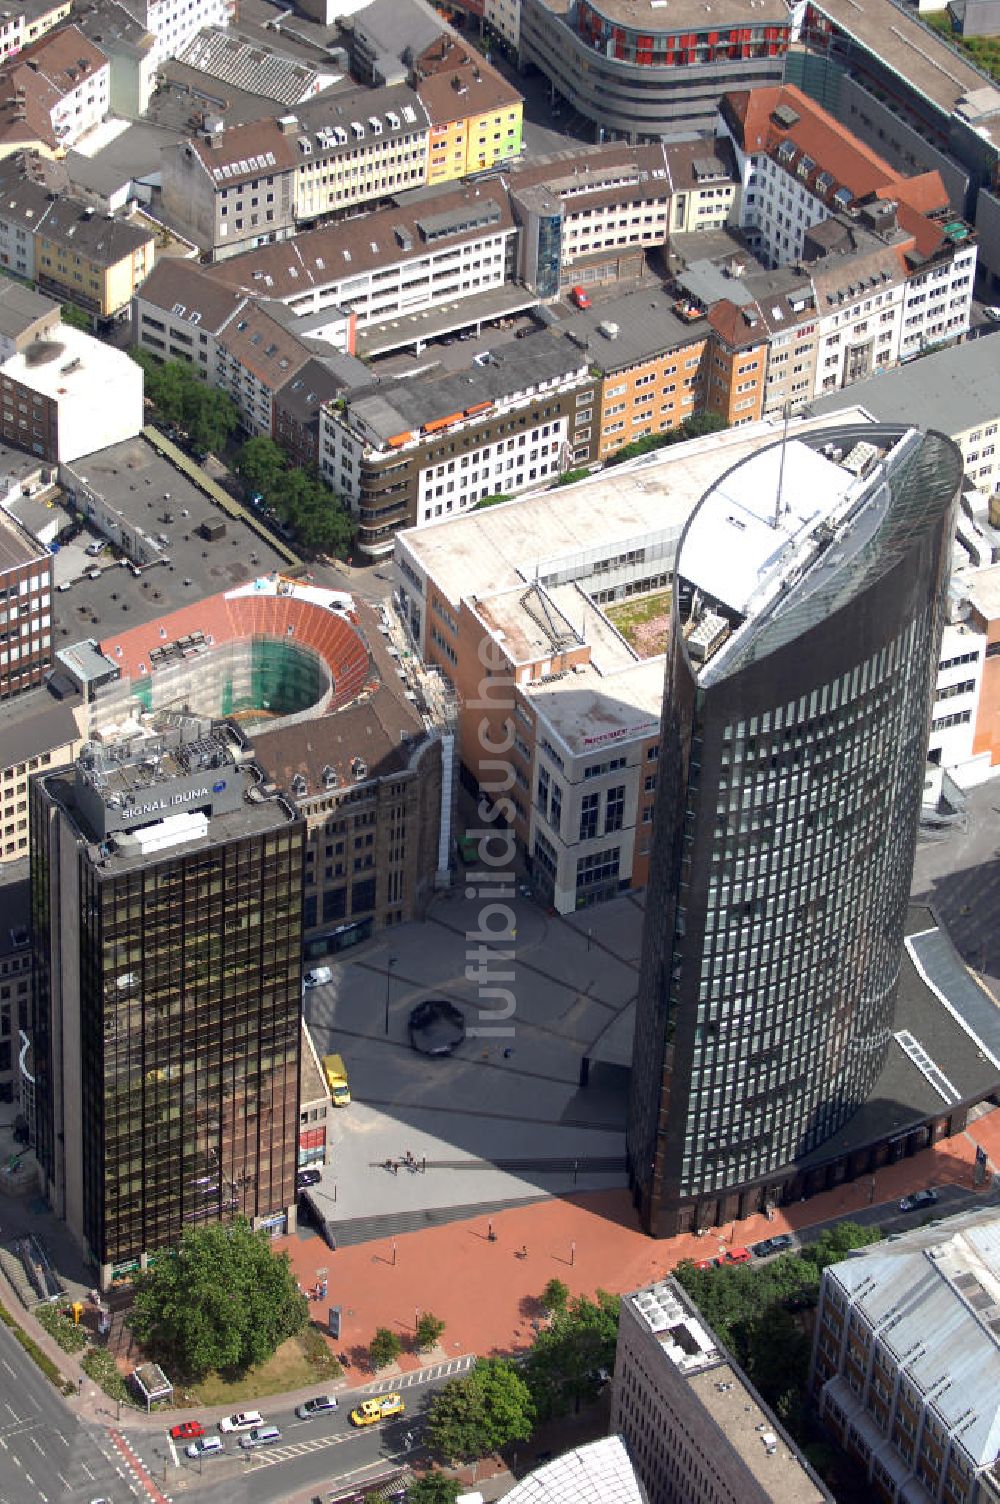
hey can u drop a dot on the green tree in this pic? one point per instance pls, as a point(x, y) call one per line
point(306, 504)
point(480, 1413)
point(555, 1297)
point(262, 463)
point(385, 1347)
point(76, 318)
point(434, 1487)
point(565, 1362)
point(429, 1329)
point(836, 1243)
point(223, 1301)
point(210, 417)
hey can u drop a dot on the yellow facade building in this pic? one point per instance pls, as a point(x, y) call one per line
point(475, 114)
point(96, 261)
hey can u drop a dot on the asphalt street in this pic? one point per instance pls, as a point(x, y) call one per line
point(316, 1453)
point(46, 1455)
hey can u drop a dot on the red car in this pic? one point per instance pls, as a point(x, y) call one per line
point(580, 297)
point(186, 1431)
point(708, 1263)
point(737, 1256)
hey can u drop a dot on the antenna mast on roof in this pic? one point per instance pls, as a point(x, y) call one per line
point(781, 467)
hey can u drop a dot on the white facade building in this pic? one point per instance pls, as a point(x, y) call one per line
point(94, 390)
point(779, 206)
point(175, 23)
point(956, 700)
point(937, 303)
point(858, 335)
point(505, 18)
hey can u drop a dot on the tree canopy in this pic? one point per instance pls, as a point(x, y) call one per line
point(223, 1301)
point(298, 498)
point(434, 1487)
point(691, 428)
point(480, 1413)
point(750, 1307)
point(564, 1366)
point(207, 414)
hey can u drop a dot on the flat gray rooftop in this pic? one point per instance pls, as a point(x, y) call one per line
point(133, 477)
point(951, 390)
point(446, 318)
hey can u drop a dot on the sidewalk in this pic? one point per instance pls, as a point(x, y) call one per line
point(486, 1291)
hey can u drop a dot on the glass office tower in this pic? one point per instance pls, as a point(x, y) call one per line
point(167, 914)
point(807, 609)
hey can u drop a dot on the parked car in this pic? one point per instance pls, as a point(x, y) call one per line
point(306, 1178)
point(243, 1420)
point(186, 1430)
point(317, 1406)
point(993, 312)
point(737, 1256)
point(917, 1200)
point(205, 1446)
point(782, 1242)
point(260, 1436)
point(763, 1249)
point(93, 549)
point(580, 297)
point(708, 1263)
point(370, 1412)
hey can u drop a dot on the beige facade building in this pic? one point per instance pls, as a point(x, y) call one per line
point(694, 1426)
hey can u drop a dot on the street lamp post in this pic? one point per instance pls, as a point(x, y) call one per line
point(389, 964)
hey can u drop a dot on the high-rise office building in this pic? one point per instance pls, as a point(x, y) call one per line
point(807, 606)
point(166, 878)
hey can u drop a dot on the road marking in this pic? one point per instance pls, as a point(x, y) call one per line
point(8, 1368)
point(17, 1418)
point(86, 1469)
point(38, 1449)
point(173, 1450)
point(62, 1480)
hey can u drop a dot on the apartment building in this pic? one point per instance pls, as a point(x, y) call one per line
point(29, 183)
point(504, 17)
point(590, 219)
point(705, 188)
point(359, 149)
point(25, 608)
point(695, 1427)
point(650, 355)
point(800, 168)
point(257, 353)
point(53, 93)
point(25, 23)
point(473, 113)
point(230, 189)
point(297, 406)
point(391, 262)
point(131, 51)
point(180, 311)
point(860, 296)
point(406, 452)
point(905, 1364)
point(97, 261)
point(785, 300)
point(640, 75)
point(66, 394)
point(736, 373)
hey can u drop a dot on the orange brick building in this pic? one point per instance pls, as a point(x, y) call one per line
point(737, 368)
point(985, 602)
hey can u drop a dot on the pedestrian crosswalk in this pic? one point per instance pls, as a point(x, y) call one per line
point(268, 1456)
point(450, 1369)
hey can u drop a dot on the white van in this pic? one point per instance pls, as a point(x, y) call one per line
point(318, 977)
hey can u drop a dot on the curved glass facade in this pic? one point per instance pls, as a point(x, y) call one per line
point(791, 775)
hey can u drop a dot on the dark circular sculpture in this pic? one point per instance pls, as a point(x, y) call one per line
point(436, 1027)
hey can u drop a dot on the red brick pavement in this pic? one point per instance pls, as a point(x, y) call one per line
point(486, 1291)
